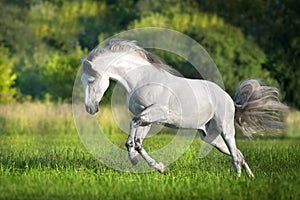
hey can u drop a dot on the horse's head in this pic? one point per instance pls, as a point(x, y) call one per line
point(94, 85)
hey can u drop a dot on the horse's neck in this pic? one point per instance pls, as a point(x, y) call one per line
point(127, 68)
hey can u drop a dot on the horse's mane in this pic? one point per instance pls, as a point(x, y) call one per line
point(119, 45)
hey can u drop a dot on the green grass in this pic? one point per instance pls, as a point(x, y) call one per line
point(38, 161)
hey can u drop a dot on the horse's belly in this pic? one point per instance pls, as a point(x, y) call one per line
point(191, 113)
point(194, 120)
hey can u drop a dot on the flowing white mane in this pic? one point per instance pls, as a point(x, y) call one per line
point(119, 45)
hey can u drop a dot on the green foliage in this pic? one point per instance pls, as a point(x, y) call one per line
point(275, 26)
point(237, 57)
point(7, 77)
point(59, 71)
point(52, 33)
point(14, 32)
point(61, 24)
point(262, 42)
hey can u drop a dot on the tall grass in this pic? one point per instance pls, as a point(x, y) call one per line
point(42, 118)
point(36, 118)
point(293, 121)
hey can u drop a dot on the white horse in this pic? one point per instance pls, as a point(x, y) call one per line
point(155, 95)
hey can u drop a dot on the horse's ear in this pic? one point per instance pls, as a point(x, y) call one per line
point(88, 64)
point(88, 68)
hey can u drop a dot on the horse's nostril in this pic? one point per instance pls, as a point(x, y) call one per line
point(92, 110)
point(88, 109)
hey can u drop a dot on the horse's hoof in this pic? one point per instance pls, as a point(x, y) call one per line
point(163, 168)
point(251, 175)
point(248, 170)
point(239, 172)
point(134, 157)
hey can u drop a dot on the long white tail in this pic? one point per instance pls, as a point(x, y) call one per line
point(258, 108)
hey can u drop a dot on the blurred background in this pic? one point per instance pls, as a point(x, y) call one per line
point(41, 42)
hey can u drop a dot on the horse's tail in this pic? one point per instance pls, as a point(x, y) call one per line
point(258, 108)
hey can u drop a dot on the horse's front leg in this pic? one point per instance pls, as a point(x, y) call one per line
point(140, 135)
point(133, 155)
point(139, 128)
point(135, 140)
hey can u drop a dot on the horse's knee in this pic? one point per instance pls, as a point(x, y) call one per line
point(138, 145)
point(129, 144)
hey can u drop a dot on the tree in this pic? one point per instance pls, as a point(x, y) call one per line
point(61, 25)
point(57, 28)
point(238, 58)
point(14, 32)
point(59, 71)
point(275, 26)
point(7, 78)
point(245, 38)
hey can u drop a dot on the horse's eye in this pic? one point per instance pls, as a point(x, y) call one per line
point(91, 81)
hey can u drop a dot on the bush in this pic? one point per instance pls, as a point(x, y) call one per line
point(237, 58)
point(61, 24)
point(59, 71)
point(7, 78)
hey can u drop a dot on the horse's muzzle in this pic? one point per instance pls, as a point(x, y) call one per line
point(92, 110)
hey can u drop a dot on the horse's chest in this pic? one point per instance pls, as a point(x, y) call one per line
point(146, 96)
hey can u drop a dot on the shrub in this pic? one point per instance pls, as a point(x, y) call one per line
point(7, 78)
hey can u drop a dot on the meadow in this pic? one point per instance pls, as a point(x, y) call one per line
point(42, 157)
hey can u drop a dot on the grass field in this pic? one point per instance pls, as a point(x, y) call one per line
point(42, 157)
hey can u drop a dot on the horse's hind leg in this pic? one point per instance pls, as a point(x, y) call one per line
point(228, 137)
point(225, 123)
point(212, 136)
point(243, 163)
point(220, 144)
point(238, 159)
